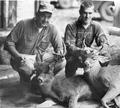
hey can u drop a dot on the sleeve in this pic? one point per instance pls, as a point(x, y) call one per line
point(57, 41)
point(101, 40)
point(100, 36)
point(70, 40)
point(15, 34)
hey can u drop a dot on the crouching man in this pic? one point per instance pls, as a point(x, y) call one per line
point(30, 39)
point(82, 33)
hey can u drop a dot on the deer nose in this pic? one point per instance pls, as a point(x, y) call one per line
point(87, 63)
point(40, 79)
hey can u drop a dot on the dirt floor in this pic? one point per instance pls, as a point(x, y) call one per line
point(18, 96)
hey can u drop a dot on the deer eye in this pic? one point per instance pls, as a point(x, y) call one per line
point(40, 80)
point(94, 58)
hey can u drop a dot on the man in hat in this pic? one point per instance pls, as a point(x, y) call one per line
point(35, 37)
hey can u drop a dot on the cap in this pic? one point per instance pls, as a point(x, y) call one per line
point(45, 7)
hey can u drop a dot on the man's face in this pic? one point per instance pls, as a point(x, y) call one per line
point(86, 15)
point(43, 18)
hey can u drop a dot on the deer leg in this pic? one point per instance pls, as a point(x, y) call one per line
point(111, 94)
point(73, 101)
point(81, 92)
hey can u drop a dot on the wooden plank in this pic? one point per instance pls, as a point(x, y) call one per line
point(12, 14)
point(5, 13)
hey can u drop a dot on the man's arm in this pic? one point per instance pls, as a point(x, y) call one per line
point(100, 35)
point(57, 41)
point(70, 39)
point(13, 38)
point(101, 38)
point(14, 52)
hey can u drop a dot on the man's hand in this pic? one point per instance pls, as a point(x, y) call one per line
point(90, 50)
point(104, 103)
point(22, 56)
point(79, 52)
point(83, 51)
point(28, 60)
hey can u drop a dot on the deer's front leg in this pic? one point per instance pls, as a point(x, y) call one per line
point(111, 94)
point(73, 101)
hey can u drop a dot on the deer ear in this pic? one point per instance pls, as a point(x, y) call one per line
point(51, 69)
point(103, 64)
point(104, 61)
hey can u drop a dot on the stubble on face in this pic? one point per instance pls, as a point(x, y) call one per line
point(86, 15)
point(42, 19)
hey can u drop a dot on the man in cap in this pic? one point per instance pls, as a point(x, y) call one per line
point(34, 37)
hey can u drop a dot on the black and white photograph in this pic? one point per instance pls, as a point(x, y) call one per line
point(59, 53)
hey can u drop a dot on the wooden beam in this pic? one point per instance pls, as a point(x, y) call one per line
point(5, 13)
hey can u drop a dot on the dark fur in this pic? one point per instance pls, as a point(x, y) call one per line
point(65, 91)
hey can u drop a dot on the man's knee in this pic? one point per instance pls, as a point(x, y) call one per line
point(26, 70)
point(25, 73)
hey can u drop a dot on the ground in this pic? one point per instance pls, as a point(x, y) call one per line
point(13, 96)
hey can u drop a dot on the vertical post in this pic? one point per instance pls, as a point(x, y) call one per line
point(1, 14)
point(37, 2)
point(12, 11)
point(5, 13)
point(116, 21)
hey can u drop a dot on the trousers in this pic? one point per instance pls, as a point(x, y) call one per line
point(25, 72)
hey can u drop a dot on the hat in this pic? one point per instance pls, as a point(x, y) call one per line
point(45, 7)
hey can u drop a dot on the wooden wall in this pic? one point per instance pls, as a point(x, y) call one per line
point(11, 11)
